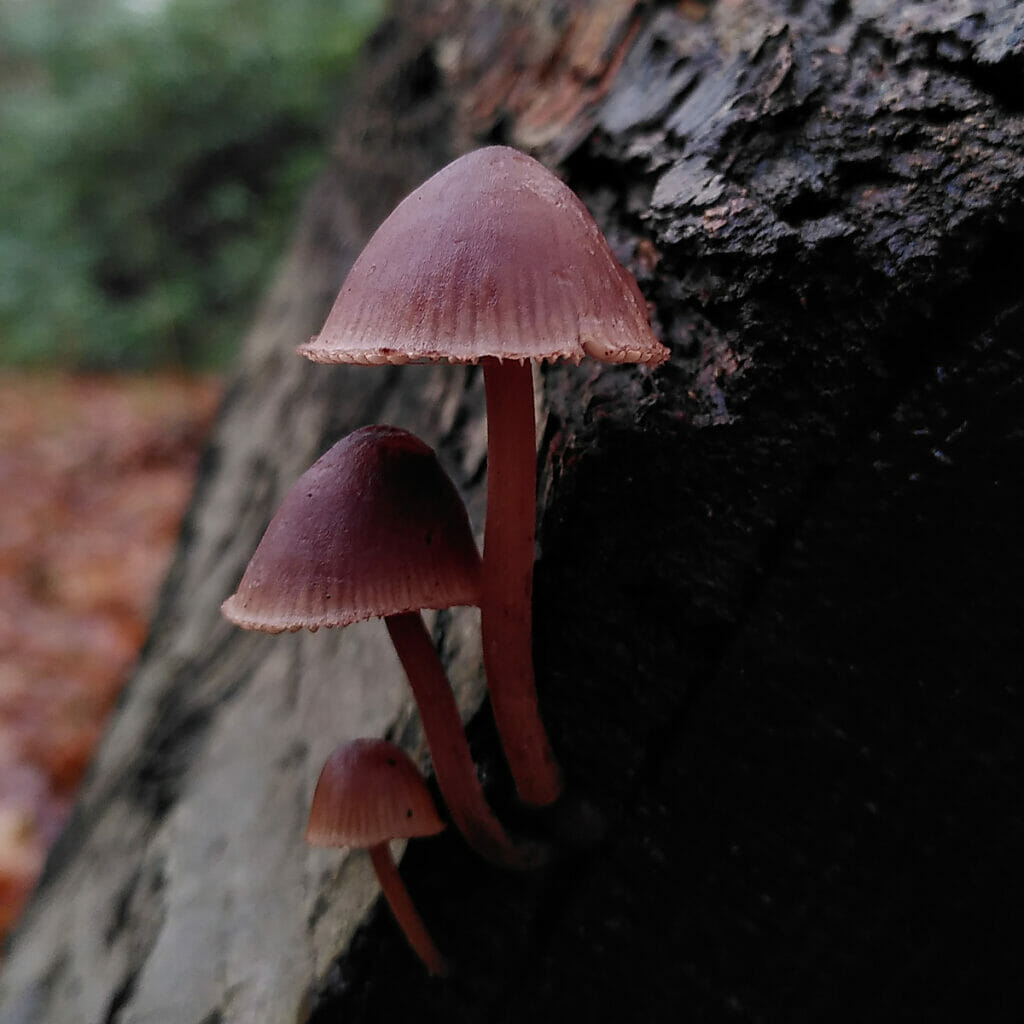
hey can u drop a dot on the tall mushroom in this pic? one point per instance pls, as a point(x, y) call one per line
point(495, 260)
point(375, 528)
point(369, 792)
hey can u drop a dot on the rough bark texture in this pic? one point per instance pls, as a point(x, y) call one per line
point(778, 613)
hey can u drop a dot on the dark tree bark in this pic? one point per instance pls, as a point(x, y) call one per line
point(778, 605)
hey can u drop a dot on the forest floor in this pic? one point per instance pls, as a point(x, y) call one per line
point(95, 474)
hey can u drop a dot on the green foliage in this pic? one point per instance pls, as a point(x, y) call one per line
point(152, 156)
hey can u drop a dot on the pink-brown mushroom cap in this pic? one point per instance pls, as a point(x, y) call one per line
point(374, 528)
point(370, 792)
point(491, 257)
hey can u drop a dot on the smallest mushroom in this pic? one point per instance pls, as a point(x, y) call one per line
point(369, 793)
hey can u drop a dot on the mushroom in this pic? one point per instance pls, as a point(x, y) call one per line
point(494, 260)
point(375, 528)
point(370, 792)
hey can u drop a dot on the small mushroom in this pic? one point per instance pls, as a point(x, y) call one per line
point(370, 792)
point(495, 260)
point(375, 528)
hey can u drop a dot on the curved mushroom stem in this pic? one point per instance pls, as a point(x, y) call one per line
point(401, 905)
point(506, 605)
point(453, 766)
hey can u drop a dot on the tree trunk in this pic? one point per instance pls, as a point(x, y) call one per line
point(777, 605)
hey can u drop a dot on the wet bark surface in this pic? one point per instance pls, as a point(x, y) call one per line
point(777, 627)
point(777, 596)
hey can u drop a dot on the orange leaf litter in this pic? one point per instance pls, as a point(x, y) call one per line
point(95, 474)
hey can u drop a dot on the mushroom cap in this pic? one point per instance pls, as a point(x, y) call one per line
point(491, 257)
point(375, 527)
point(370, 791)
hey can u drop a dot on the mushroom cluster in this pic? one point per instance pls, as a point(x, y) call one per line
point(493, 261)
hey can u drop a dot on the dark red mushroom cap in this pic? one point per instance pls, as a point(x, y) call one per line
point(491, 257)
point(370, 792)
point(374, 528)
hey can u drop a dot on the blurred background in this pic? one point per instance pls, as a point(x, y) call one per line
point(153, 154)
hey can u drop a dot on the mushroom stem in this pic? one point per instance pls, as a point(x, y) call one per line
point(506, 602)
point(449, 751)
point(401, 905)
